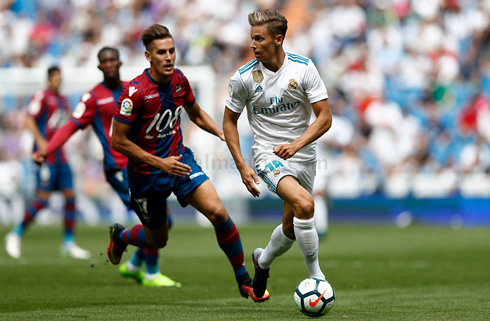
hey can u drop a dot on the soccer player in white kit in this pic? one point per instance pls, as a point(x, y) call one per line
point(279, 90)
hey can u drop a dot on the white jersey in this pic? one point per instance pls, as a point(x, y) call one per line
point(278, 103)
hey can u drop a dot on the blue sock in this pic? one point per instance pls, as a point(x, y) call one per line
point(29, 215)
point(69, 220)
point(151, 260)
point(138, 257)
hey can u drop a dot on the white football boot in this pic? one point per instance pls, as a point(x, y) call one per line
point(12, 245)
point(74, 251)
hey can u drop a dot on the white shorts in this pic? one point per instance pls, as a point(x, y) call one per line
point(273, 169)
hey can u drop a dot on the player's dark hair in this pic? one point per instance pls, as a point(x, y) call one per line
point(104, 49)
point(153, 32)
point(52, 70)
point(276, 23)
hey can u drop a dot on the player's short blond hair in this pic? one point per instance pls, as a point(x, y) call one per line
point(276, 23)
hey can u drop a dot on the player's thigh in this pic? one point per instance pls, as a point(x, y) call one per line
point(205, 199)
point(151, 209)
point(296, 196)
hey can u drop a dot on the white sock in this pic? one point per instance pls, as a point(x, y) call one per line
point(307, 238)
point(278, 245)
point(150, 276)
point(321, 214)
point(131, 267)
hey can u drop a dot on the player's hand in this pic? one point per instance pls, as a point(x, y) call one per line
point(39, 157)
point(285, 151)
point(250, 179)
point(172, 165)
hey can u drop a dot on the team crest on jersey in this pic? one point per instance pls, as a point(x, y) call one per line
point(79, 110)
point(258, 76)
point(126, 107)
point(178, 89)
point(293, 85)
point(230, 89)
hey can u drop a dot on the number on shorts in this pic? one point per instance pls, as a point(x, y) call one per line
point(142, 204)
point(274, 164)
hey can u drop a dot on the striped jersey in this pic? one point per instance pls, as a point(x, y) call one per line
point(97, 107)
point(51, 111)
point(278, 103)
point(153, 109)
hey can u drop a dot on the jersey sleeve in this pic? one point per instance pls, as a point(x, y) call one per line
point(237, 94)
point(313, 84)
point(84, 112)
point(129, 104)
point(36, 104)
point(189, 98)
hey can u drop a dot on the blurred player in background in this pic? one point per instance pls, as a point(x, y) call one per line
point(339, 140)
point(47, 111)
point(97, 108)
point(279, 90)
point(320, 195)
point(147, 129)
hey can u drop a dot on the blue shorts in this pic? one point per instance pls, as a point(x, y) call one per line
point(118, 179)
point(149, 192)
point(54, 177)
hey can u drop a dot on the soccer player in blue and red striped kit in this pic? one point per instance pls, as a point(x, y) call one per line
point(147, 130)
point(96, 108)
point(47, 111)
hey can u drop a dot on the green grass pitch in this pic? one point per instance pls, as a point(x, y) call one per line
point(378, 273)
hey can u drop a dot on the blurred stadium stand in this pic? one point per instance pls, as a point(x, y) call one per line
point(409, 86)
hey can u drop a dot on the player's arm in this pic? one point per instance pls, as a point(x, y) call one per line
point(31, 125)
point(35, 109)
point(249, 178)
point(120, 142)
point(56, 142)
point(319, 127)
point(199, 117)
point(82, 116)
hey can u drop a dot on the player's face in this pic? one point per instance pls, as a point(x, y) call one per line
point(264, 44)
point(109, 64)
point(54, 80)
point(162, 56)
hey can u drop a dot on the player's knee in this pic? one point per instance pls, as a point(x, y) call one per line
point(304, 209)
point(159, 243)
point(216, 214)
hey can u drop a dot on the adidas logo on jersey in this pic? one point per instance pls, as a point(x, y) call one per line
point(259, 89)
point(132, 90)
